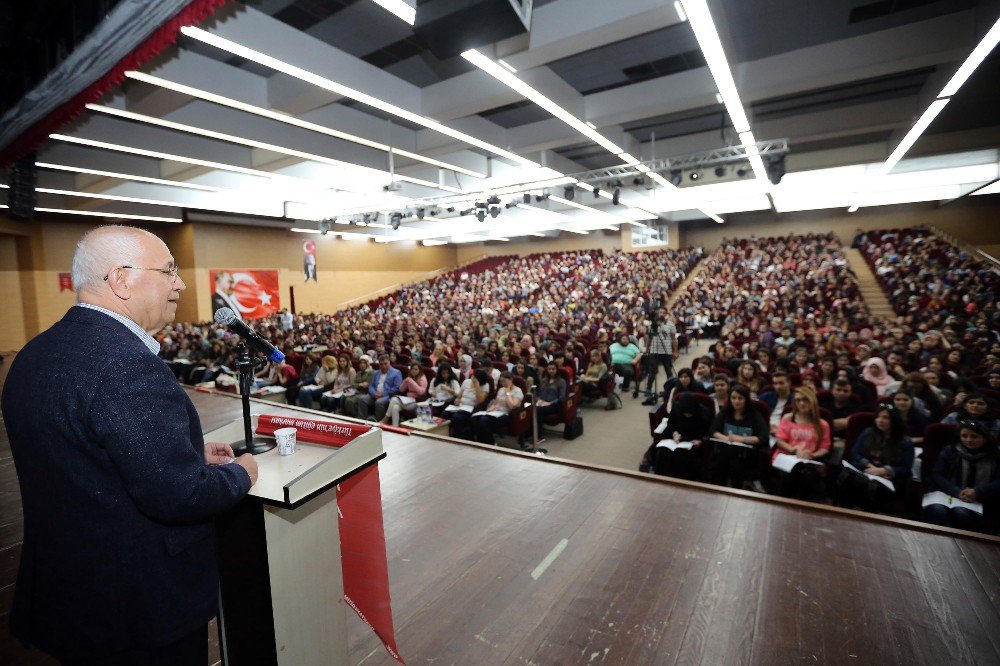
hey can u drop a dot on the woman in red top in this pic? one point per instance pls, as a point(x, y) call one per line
point(803, 434)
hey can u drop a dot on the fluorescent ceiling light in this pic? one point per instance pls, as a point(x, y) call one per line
point(975, 58)
point(305, 231)
point(753, 155)
point(161, 156)
point(516, 84)
point(117, 216)
point(629, 159)
point(253, 143)
point(508, 66)
point(911, 137)
point(292, 120)
point(616, 219)
point(339, 89)
point(399, 8)
point(126, 176)
point(679, 8)
point(992, 188)
point(252, 208)
point(701, 22)
point(429, 243)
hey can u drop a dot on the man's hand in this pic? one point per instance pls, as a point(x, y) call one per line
point(247, 462)
point(217, 453)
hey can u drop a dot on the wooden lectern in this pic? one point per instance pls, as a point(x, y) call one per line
point(281, 597)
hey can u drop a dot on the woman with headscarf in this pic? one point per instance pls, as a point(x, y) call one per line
point(968, 470)
point(875, 372)
point(688, 422)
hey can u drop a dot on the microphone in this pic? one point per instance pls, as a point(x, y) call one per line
point(228, 318)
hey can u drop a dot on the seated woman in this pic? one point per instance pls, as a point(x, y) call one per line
point(803, 434)
point(688, 422)
point(685, 383)
point(444, 388)
point(748, 375)
point(474, 391)
point(975, 407)
point(738, 423)
point(876, 373)
point(359, 387)
point(967, 470)
point(882, 450)
point(496, 418)
point(323, 380)
point(591, 379)
point(307, 377)
point(412, 389)
point(551, 390)
point(914, 421)
point(521, 370)
point(342, 381)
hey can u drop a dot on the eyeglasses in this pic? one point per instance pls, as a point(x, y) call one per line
point(172, 271)
point(801, 399)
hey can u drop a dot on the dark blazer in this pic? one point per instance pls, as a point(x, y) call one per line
point(119, 548)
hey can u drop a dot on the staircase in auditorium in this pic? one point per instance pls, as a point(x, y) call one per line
point(871, 291)
point(699, 267)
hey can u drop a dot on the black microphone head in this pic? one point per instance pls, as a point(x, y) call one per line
point(225, 316)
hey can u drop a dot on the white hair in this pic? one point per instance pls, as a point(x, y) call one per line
point(101, 249)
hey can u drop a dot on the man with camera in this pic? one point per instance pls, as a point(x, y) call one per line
point(662, 350)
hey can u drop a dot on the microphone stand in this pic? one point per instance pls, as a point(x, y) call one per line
point(247, 365)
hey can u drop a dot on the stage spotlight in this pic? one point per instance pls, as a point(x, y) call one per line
point(480, 210)
point(616, 195)
point(420, 213)
point(367, 217)
point(637, 181)
point(527, 197)
point(597, 191)
point(775, 168)
point(742, 171)
point(695, 175)
point(324, 226)
point(568, 192)
point(396, 219)
point(451, 209)
point(676, 177)
point(435, 212)
point(720, 172)
point(494, 212)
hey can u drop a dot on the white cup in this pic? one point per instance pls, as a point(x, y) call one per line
point(286, 441)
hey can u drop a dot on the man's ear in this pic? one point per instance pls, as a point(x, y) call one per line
point(118, 281)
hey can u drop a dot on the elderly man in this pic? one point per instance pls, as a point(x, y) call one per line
point(385, 384)
point(118, 487)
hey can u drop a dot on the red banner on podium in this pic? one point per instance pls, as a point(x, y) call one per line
point(362, 533)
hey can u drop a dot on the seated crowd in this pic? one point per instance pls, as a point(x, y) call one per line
point(503, 315)
point(803, 394)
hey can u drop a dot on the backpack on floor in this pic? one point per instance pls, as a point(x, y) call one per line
point(573, 429)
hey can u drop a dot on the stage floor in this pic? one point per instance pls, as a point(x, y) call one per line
point(503, 558)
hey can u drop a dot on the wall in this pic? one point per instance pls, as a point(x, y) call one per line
point(12, 321)
point(346, 269)
point(972, 221)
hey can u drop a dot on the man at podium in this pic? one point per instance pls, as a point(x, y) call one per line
point(118, 486)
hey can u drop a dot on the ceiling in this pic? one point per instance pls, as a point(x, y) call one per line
point(842, 80)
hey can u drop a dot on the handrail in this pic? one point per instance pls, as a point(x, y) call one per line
point(968, 247)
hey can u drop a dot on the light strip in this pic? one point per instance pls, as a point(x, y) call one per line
point(162, 156)
point(399, 8)
point(153, 202)
point(339, 89)
point(429, 243)
point(911, 137)
point(252, 143)
point(292, 120)
point(516, 84)
point(122, 216)
point(305, 231)
point(978, 55)
point(753, 154)
point(126, 176)
point(701, 22)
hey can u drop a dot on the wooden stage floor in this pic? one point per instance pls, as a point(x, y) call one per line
point(504, 558)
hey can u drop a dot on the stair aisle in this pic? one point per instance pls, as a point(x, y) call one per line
point(871, 291)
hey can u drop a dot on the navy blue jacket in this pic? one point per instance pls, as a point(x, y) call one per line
point(119, 547)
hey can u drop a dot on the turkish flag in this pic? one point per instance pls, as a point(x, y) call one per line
point(255, 292)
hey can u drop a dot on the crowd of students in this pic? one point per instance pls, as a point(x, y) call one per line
point(770, 407)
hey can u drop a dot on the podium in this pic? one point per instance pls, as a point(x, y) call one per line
point(281, 588)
